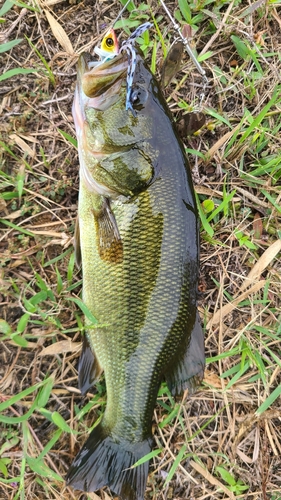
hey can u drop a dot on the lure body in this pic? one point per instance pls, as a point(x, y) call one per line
point(129, 47)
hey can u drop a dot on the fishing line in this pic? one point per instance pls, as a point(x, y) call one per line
point(120, 13)
point(202, 72)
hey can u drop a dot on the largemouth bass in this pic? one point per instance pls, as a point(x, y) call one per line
point(137, 238)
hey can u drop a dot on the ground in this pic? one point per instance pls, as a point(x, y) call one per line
point(224, 441)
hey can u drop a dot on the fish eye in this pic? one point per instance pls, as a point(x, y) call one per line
point(109, 42)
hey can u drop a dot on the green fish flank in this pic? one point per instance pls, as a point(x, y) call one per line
point(137, 238)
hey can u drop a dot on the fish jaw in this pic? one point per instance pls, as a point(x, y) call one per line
point(99, 79)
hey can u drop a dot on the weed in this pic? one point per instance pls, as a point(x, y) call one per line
point(237, 486)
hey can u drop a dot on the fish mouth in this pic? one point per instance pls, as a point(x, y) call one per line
point(98, 79)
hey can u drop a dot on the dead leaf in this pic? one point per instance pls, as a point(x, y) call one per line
point(212, 379)
point(212, 151)
point(22, 144)
point(257, 225)
point(13, 215)
point(225, 310)
point(53, 234)
point(186, 31)
point(265, 259)
point(259, 39)
point(61, 347)
point(17, 263)
point(59, 33)
point(105, 495)
point(29, 138)
point(30, 345)
point(93, 496)
point(244, 457)
point(3, 205)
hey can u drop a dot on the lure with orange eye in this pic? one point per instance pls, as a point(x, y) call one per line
point(109, 47)
point(110, 43)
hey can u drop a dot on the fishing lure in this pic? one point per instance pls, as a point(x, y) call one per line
point(108, 50)
point(129, 47)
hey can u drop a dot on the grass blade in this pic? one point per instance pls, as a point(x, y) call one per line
point(269, 400)
point(9, 45)
point(147, 457)
point(175, 465)
point(17, 71)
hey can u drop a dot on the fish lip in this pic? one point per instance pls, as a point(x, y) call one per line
point(96, 80)
point(107, 65)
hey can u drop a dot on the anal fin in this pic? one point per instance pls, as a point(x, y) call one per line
point(89, 369)
point(189, 371)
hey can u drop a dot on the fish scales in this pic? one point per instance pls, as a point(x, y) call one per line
point(139, 245)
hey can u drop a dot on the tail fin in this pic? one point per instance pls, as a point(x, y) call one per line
point(104, 461)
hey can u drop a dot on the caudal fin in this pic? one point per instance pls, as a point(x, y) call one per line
point(105, 461)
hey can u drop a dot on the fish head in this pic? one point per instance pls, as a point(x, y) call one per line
point(119, 149)
point(104, 86)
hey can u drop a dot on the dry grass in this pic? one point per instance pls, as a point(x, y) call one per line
point(230, 424)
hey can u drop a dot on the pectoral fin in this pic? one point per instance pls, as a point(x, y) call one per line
point(189, 371)
point(89, 369)
point(109, 240)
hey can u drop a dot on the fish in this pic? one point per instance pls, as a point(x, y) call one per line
point(137, 238)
